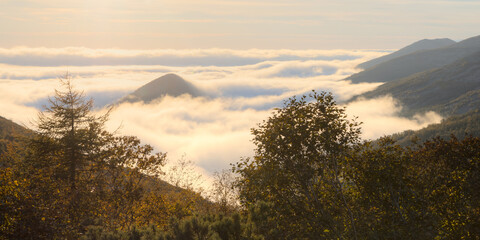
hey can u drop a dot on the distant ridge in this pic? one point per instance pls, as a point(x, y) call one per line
point(169, 84)
point(450, 90)
point(425, 44)
point(472, 42)
point(416, 62)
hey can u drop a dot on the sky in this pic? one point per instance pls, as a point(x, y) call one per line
point(234, 24)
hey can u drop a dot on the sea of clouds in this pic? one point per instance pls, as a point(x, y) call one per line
point(241, 87)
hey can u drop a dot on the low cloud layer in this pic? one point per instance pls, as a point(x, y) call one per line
point(213, 130)
point(207, 130)
point(379, 117)
point(77, 56)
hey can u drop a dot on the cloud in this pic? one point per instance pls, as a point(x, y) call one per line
point(380, 117)
point(19, 113)
point(213, 130)
point(207, 130)
point(300, 69)
point(79, 56)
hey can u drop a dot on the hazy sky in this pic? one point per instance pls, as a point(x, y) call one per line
point(235, 24)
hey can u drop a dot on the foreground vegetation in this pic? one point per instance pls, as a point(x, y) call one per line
point(311, 178)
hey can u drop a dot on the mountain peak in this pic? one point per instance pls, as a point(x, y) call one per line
point(424, 44)
point(417, 62)
point(171, 75)
point(169, 84)
point(469, 43)
point(431, 43)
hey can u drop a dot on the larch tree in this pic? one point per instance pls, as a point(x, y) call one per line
point(80, 172)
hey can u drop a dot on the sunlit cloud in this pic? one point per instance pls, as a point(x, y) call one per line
point(380, 117)
point(207, 130)
point(212, 130)
point(80, 56)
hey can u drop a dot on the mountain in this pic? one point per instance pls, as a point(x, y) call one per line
point(10, 133)
point(417, 62)
point(459, 126)
point(425, 44)
point(450, 90)
point(169, 84)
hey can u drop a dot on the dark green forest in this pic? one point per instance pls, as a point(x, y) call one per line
point(311, 177)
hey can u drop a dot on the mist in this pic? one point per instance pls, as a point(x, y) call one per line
point(213, 130)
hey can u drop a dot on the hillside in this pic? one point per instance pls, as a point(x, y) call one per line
point(450, 90)
point(10, 132)
point(416, 62)
point(425, 44)
point(169, 84)
point(459, 126)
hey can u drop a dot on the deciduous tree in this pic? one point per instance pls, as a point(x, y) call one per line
point(298, 168)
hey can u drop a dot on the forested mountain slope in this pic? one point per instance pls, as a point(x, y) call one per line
point(10, 132)
point(450, 90)
point(458, 126)
point(117, 185)
point(417, 62)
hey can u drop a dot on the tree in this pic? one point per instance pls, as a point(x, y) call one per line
point(14, 201)
point(298, 168)
point(429, 191)
point(446, 174)
point(183, 174)
point(224, 192)
point(387, 200)
point(79, 172)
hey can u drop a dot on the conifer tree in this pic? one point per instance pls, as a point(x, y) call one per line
point(80, 172)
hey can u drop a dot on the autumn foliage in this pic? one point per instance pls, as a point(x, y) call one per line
point(311, 177)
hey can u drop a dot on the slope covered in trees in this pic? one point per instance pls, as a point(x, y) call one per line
point(450, 90)
point(311, 177)
point(10, 133)
point(417, 62)
point(315, 180)
point(460, 126)
point(71, 174)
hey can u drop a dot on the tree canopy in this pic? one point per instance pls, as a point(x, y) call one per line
point(311, 177)
point(76, 172)
point(298, 166)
